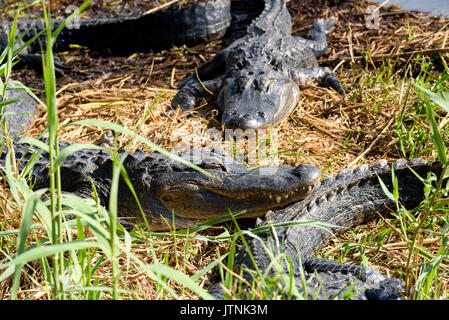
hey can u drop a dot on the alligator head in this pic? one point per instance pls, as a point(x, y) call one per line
point(252, 100)
point(190, 197)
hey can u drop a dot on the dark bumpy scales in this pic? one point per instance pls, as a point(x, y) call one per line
point(175, 25)
point(255, 80)
point(168, 190)
point(249, 71)
point(347, 200)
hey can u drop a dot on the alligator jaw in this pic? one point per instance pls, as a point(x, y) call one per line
point(198, 197)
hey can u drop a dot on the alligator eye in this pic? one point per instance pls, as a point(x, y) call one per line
point(166, 198)
point(212, 166)
point(243, 82)
point(240, 64)
point(262, 83)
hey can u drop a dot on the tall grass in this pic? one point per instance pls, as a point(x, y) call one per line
point(68, 269)
point(436, 203)
point(421, 131)
point(70, 257)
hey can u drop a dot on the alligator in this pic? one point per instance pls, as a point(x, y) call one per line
point(255, 80)
point(171, 192)
point(173, 195)
point(351, 198)
point(192, 23)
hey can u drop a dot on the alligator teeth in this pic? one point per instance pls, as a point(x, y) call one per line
point(278, 199)
point(270, 196)
point(286, 197)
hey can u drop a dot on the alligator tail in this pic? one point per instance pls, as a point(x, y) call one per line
point(274, 15)
point(175, 25)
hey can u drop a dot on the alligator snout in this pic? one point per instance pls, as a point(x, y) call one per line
point(307, 173)
point(246, 120)
point(254, 108)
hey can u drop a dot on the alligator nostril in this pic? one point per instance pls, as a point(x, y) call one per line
point(243, 82)
point(262, 83)
point(261, 114)
point(246, 116)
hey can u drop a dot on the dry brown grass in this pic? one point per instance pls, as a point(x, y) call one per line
point(325, 129)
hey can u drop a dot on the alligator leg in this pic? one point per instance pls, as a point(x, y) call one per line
point(191, 95)
point(210, 73)
point(208, 70)
point(322, 75)
point(317, 40)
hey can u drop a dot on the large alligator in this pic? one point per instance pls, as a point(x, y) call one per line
point(164, 185)
point(351, 198)
point(255, 81)
point(171, 192)
point(192, 23)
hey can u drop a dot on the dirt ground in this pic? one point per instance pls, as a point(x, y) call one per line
point(326, 129)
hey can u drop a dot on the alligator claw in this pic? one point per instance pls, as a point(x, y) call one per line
point(60, 67)
point(106, 140)
point(332, 81)
point(185, 100)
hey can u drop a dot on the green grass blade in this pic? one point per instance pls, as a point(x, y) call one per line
point(45, 251)
point(440, 100)
point(34, 142)
point(75, 147)
point(160, 269)
point(25, 227)
point(436, 136)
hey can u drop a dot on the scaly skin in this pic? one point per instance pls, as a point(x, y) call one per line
point(190, 24)
point(166, 187)
point(350, 199)
point(255, 81)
